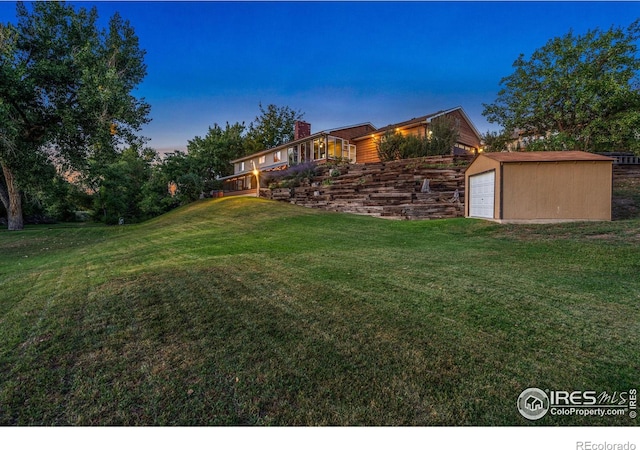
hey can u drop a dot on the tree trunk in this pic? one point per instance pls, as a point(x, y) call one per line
point(12, 201)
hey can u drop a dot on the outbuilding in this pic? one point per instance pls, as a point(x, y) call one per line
point(539, 187)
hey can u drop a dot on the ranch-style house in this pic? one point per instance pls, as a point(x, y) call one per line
point(356, 143)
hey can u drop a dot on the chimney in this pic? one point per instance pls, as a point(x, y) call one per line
point(301, 130)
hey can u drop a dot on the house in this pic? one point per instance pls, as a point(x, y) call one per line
point(469, 139)
point(539, 187)
point(321, 146)
point(356, 143)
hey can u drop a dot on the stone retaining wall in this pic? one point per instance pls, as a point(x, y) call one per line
point(421, 188)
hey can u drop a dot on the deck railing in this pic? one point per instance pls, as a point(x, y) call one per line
point(627, 159)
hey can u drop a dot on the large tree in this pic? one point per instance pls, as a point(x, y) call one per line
point(211, 154)
point(65, 93)
point(274, 126)
point(576, 92)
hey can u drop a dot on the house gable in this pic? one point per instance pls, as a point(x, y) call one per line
point(469, 140)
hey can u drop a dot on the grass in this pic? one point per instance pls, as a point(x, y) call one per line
point(243, 311)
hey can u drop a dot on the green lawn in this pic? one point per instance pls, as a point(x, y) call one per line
point(244, 311)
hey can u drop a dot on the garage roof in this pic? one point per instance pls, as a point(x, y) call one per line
point(546, 156)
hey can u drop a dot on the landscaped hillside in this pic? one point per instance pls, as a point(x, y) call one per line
point(248, 311)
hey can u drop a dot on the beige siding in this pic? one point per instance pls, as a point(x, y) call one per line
point(557, 190)
point(547, 190)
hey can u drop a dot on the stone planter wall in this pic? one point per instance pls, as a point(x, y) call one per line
point(421, 188)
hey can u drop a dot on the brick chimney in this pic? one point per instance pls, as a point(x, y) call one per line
point(301, 130)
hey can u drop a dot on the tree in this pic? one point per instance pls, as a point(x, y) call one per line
point(121, 189)
point(495, 141)
point(274, 126)
point(211, 155)
point(173, 182)
point(65, 93)
point(444, 133)
point(576, 92)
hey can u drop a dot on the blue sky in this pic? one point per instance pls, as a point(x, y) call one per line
point(340, 63)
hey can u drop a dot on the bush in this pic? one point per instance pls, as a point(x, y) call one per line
point(443, 136)
point(292, 176)
point(389, 146)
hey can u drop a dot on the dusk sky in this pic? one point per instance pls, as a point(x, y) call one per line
point(339, 63)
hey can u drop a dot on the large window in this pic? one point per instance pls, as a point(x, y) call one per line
point(340, 148)
point(292, 156)
point(335, 147)
point(319, 149)
point(277, 156)
point(242, 183)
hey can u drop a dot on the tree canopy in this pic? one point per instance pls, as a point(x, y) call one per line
point(274, 126)
point(209, 157)
point(211, 154)
point(575, 92)
point(65, 93)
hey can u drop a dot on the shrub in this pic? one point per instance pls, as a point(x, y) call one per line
point(442, 137)
point(293, 175)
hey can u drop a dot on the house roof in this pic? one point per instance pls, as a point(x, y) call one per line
point(363, 124)
point(248, 171)
point(515, 157)
point(421, 120)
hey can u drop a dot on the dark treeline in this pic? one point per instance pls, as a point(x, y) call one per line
point(137, 183)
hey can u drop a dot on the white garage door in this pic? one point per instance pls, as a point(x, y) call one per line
point(481, 194)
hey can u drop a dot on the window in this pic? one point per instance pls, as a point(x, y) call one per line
point(305, 151)
point(461, 149)
point(349, 152)
point(319, 149)
point(335, 147)
point(277, 156)
point(262, 159)
point(241, 166)
point(292, 156)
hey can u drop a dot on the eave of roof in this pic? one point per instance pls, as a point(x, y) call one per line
point(351, 126)
point(279, 147)
point(516, 157)
point(250, 171)
point(417, 121)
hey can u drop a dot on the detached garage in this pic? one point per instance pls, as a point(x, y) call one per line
point(539, 187)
